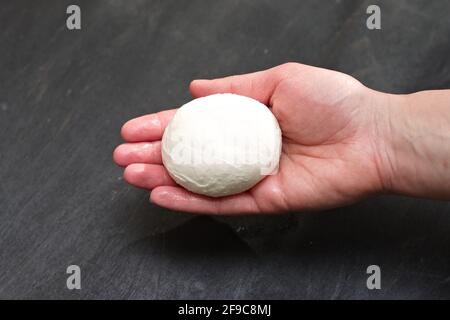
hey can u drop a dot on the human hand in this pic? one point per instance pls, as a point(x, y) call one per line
point(330, 154)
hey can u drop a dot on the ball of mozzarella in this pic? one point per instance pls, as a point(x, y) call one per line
point(221, 144)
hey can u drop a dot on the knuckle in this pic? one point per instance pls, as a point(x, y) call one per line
point(290, 66)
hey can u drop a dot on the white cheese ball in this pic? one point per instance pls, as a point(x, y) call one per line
point(221, 144)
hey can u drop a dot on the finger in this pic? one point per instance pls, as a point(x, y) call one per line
point(147, 128)
point(179, 199)
point(140, 152)
point(147, 176)
point(258, 85)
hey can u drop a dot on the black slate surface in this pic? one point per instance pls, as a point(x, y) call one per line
point(64, 95)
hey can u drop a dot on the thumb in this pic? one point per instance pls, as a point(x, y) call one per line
point(258, 85)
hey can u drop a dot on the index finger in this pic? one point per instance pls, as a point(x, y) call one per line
point(147, 128)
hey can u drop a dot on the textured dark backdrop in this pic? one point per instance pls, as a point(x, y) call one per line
point(64, 95)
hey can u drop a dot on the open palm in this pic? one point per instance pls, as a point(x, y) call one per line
point(328, 159)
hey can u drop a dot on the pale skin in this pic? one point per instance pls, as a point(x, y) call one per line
point(341, 142)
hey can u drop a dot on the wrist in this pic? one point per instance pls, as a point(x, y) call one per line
point(412, 144)
point(384, 109)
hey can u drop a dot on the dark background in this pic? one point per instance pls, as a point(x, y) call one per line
point(65, 94)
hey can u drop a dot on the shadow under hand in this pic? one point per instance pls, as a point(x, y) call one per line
point(200, 236)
